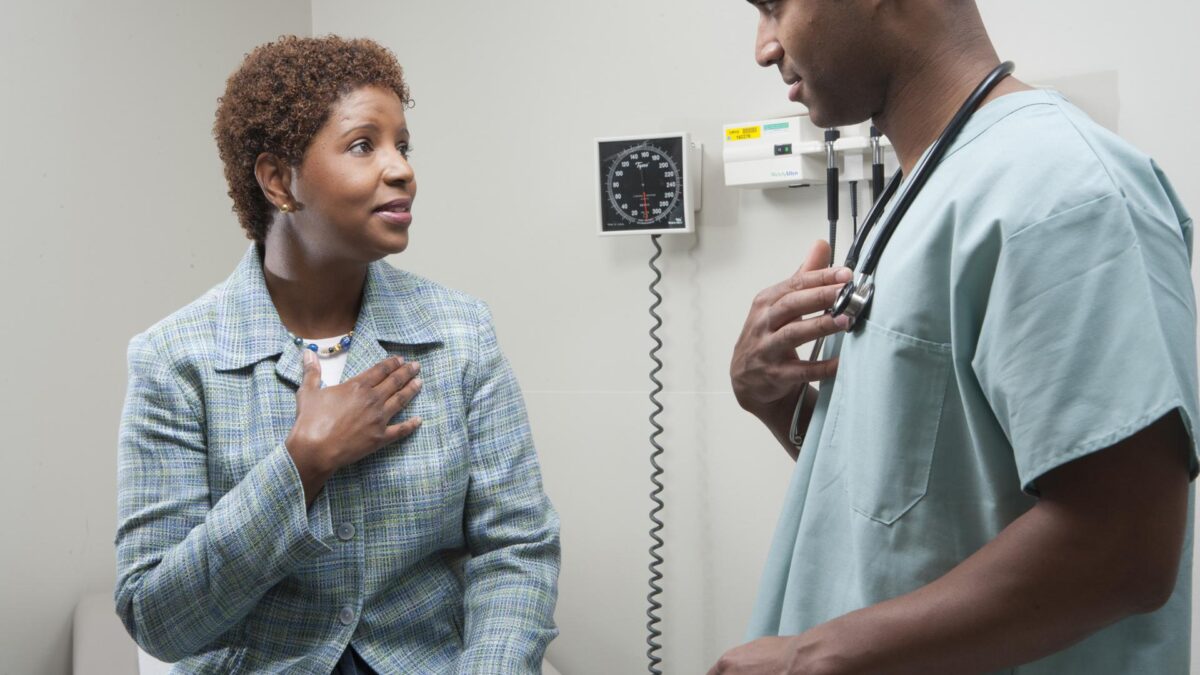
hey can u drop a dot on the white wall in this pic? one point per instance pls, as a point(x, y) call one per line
point(509, 97)
point(114, 214)
point(117, 215)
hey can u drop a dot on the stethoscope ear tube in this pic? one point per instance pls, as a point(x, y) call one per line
point(925, 168)
point(855, 298)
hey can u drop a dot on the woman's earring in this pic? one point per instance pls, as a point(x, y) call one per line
point(285, 207)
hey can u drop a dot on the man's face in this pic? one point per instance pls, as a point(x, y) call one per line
point(828, 53)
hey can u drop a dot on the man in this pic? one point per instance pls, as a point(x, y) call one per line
point(995, 472)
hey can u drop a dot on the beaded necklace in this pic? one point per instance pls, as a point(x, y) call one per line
point(342, 345)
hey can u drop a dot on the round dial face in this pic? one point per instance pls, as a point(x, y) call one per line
point(642, 185)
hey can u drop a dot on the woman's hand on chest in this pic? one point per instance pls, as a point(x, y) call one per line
point(337, 426)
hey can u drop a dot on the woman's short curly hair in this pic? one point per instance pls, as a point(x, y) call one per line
point(278, 99)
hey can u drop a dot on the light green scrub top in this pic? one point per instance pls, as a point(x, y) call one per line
point(1034, 306)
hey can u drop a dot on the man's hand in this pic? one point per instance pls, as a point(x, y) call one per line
point(768, 376)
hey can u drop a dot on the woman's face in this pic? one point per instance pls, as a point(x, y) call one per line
point(354, 185)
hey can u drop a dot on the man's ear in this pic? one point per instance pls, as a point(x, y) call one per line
point(275, 178)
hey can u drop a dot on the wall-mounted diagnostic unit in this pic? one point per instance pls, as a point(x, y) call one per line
point(647, 184)
point(792, 151)
point(650, 185)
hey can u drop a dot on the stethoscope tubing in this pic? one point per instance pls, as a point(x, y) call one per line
point(927, 164)
point(859, 292)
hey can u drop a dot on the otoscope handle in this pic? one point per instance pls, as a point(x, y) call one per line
point(831, 181)
point(876, 164)
point(831, 176)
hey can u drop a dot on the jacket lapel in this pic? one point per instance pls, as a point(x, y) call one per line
point(392, 312)
point(290, 366)
point(248, 328)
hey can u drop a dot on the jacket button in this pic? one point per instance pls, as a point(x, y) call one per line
point(346, 615)
point(345, 531)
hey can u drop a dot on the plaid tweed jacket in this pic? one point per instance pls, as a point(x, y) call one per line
point(436, 554)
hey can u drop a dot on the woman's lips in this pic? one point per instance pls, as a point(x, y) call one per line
point(396, 212)
point(395, 217)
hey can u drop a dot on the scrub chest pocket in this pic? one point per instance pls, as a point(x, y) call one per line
point(885, 459)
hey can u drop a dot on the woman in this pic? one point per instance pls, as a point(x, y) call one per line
point(271, 522)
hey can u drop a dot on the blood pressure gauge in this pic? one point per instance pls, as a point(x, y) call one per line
point(644, 184)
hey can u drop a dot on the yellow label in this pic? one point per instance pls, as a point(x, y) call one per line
point(743, 133)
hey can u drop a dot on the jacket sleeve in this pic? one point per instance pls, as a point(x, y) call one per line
point(189, 570)
point(511, 528)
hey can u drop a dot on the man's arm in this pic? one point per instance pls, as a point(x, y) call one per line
point(1102, 543)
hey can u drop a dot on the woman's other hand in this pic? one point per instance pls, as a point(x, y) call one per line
point(337, 426)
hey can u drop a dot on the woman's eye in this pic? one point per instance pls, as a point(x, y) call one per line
point(405, 150)
point(360, 147)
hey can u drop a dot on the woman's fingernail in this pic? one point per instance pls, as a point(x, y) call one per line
point(843, 275)
point(419, 383)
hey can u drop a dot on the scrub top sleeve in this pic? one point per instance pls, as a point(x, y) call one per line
point(1089, 334)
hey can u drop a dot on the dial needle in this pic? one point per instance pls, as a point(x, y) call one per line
point(645, 199)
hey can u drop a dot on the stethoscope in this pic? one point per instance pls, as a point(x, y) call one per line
point(855, 298)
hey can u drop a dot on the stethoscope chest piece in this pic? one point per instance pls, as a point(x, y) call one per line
point(854, 300)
